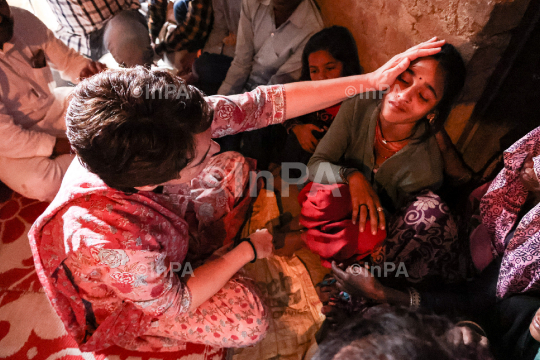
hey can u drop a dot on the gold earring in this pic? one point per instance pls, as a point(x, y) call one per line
point(431, 118)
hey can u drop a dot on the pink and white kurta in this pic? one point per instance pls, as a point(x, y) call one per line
point(500, 207)
point(105, 257)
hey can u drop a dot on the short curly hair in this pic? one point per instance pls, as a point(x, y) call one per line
point(134, 127)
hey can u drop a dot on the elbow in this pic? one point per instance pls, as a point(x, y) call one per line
point(312, 171)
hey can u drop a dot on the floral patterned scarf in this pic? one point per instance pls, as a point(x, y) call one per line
point(500, 206)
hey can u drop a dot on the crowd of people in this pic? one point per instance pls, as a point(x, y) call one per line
point(139, 246)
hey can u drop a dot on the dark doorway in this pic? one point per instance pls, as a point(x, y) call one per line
point(510, 105)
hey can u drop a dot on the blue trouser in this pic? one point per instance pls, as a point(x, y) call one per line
point(180, 10)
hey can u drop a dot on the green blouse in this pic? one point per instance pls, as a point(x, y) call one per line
point(349, 143)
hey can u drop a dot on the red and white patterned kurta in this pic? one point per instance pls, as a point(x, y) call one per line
point(105, 257)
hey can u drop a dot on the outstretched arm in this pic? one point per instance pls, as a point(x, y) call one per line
point(309, 96)
point(269, 105)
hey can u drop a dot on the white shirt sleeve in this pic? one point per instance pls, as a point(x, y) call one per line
point(18, 142)
point(62, 58)
point(243, 60)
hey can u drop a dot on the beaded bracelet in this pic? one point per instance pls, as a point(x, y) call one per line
point(344, 172)
point(415, 298)
point(248, 240)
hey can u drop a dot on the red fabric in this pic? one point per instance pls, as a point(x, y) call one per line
point(98, 245)
point(326, 213)
point(29, 326)
point(333, 110)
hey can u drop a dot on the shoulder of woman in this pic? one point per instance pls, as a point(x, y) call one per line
point(433, 152)
point(359, 108)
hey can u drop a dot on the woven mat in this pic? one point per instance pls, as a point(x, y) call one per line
point(287, 286)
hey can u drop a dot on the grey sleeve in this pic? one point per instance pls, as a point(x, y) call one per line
point(324, 165)
point(242, 64)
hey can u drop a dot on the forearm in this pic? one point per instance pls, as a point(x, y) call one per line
point(454, 299)
point(209, 278)
point(396, 297)
point(242, 63)
point(387, 295)
point(24, 143)
point(324, 172)
point(309, 96)
point(64, 59)
point(324, 166)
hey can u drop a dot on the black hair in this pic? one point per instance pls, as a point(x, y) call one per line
point(454, 73)
point(339, 42)
point(134, 127)
point(389, 333)
point(452, 64)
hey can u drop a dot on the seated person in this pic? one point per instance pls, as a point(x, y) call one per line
point(210, 69)
point(182, 42)
point(380, 159)
point(31, 114)
point(388, 333)
point(145, 197)
point(329, 54)
point(504, 297)
point(97, 28)
point(271, 38)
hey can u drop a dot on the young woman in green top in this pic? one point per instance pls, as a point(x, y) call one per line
point(382, 154)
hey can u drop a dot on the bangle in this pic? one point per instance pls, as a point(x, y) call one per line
point(344, 172)
point(415, 298)
point(248, 240)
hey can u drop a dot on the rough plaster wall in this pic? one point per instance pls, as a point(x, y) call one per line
point(480, 29)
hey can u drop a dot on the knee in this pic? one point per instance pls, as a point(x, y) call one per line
point(44, 182)
point(251, 324)
point(426, 216)
point(247, 319)
point(428, 203)
point(34, 188)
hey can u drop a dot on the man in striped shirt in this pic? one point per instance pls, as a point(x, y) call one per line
point(95, 27)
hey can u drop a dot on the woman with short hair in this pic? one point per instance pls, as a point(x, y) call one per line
point(124, 250)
